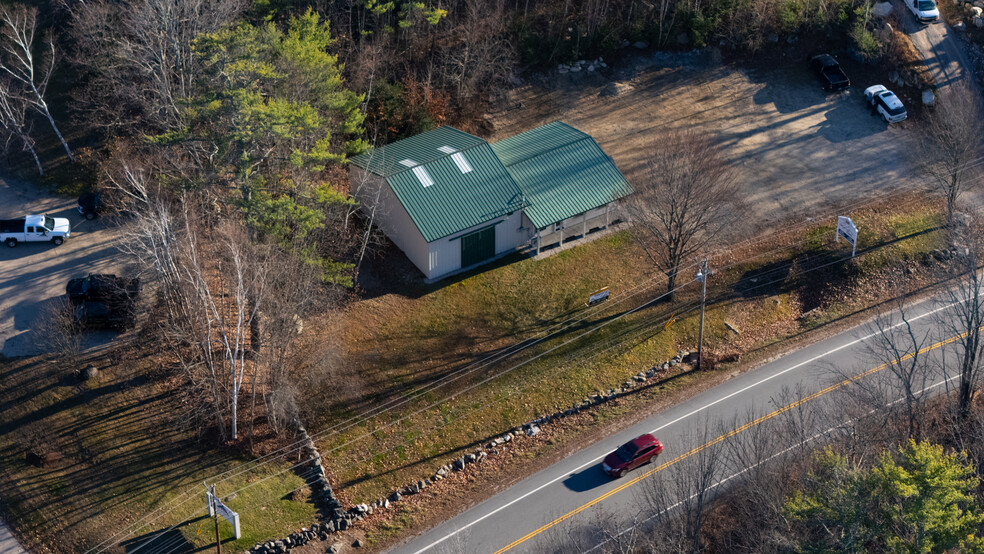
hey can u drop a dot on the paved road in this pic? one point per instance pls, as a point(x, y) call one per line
point(575, 490)
point(8, 544)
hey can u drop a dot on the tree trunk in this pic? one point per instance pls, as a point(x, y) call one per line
point(51, 120)
point(671, 283)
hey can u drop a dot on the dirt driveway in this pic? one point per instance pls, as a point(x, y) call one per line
point(33, 275)
point(800, 150)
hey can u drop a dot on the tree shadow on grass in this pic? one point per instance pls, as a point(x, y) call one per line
point(170, 540)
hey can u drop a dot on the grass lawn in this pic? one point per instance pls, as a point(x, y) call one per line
point(128, 455)
point(399, 344)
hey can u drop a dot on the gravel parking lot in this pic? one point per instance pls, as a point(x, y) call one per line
point(800, 150)
point(33, 275)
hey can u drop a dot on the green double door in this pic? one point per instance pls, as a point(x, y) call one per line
point(478, 246)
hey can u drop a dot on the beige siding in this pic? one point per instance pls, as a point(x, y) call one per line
point(510, 234)
point(390, 215)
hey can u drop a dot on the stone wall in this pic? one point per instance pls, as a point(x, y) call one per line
point(337, 518)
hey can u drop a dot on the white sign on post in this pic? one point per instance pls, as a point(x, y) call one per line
point(847, 229)
point(216, 505)
point(599, 296)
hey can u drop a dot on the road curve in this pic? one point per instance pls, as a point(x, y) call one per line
point(536, 514)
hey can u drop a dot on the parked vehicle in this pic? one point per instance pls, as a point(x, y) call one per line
point(34, 228)
point(638, 451)
point(90, 205)
point(829, 71)
point(101, 287)
point(924, 10)
point(884, 102)
point(107, 314)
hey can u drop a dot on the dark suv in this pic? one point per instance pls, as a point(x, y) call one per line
point(109, 314)
point(100, 286)
point(102, 300)
point(631, 455)
point(90, 205)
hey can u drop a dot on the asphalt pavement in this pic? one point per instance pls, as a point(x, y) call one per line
point(539, 513)
point(9, 544)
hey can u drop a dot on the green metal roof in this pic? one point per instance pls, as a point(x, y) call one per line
point(422, 148)
point(453, 199)
point(561, 171)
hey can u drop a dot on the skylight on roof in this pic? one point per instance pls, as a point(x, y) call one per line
point(447, 149)
point(409, 163)
point(422, 176)
point(461, 162)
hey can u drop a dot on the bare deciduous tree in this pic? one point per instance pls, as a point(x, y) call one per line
point(690, 196)
point(603, 532)
point(19, 25)
point(953, 142)
point(13, 120)
point(962, 321)
point(898, 372)
point(679, 497)
point(62, 332)
point(139, 55)
point(484, 58)
point(234, 308)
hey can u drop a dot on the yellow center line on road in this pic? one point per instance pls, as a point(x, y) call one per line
point(723, 437)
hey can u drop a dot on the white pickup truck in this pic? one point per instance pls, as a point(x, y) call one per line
point(34, 228)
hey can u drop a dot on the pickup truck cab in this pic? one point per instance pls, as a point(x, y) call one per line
point(34, 228)
point(829, 72)
point(924, 10)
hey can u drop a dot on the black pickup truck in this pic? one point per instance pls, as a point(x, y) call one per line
point(829, 72)
point(96, 286)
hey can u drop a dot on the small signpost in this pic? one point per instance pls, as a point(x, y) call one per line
point(598, 297)
point(215, 509)
point(847, 229)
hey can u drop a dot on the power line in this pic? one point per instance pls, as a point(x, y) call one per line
point(523, 345)
point(640, 326)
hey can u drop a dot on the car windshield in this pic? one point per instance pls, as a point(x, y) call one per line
point(49, 222)
point(926, 5)
point(626, 452)
point(898, 110)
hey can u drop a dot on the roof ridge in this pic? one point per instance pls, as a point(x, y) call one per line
point(366, 157)
point(552, 149)
point(439, 158)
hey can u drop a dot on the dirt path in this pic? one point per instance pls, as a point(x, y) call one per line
point(799, 149)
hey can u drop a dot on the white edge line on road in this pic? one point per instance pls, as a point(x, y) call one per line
point(677, 420)
point(753, 466)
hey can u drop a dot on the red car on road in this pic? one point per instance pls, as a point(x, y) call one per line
point(631, 455)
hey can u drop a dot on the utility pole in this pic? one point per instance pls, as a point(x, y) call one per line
point(218, 541)
point(213, 510)
point(702, 274)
